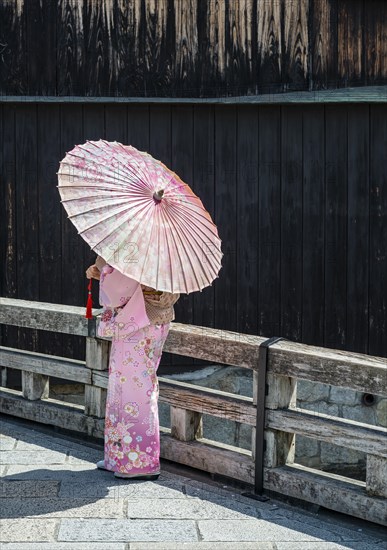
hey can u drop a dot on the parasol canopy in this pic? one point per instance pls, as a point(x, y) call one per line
point(140, 216)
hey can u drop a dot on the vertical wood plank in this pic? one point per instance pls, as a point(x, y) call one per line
point(378, 232)
point(375, 46)
point(73, 268)
point(247, 220)
point(138, 126)
point(9, 284)
point(13, 39)
point(93, 129)
point(295, 46)
point(350, 65)
point(225, 207)
point(313, 224)
point(239, 20)
point(358, 228)
point(182, 163)
point(184, 58)
point(116, 123)
point(41, 19)
point(160, 147)
point(269, 46)
point(155, 53)
point(71, 52)
point(212, 31)
point(49, 213)
point(3, 233)
point(203, 178)
point(323, 44)
point(269, 253)
point(291, 222)
point(336, 183)
point(26, 214)
point(97, 59)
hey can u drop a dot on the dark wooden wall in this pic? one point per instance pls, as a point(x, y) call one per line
point(299, 195)
point(189, 48)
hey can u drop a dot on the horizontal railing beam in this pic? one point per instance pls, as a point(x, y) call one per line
point(343, 432)
point(199, 399)
point(52, 412)
point(332, 491)
point(292, 359)
point(49, 365)
point(44, 316)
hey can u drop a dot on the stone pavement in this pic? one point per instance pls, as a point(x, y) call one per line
point(53, 497)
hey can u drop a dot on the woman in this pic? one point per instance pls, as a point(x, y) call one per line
point(137, 318)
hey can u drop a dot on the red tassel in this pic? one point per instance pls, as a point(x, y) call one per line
point(89, 306)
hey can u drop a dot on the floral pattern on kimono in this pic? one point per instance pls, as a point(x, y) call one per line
point(132, 438)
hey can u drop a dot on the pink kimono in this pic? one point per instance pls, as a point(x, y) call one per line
point(132, 438)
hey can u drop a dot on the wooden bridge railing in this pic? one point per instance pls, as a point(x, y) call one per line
point(183, 442)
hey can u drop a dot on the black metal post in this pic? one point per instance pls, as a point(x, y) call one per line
point(260, 422)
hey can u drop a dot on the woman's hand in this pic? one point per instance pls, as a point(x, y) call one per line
point(93, 272)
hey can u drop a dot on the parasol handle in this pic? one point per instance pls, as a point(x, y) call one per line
point(89, 306)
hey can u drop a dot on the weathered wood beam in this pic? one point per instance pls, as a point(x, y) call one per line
point(50, 411)
point(340, 431)
point(208, 456)
point(325, 489)
point(44, 316)
point(197, 398)
point(349, 370)
point(39, 363)
point(346, 369)
point(208, 401)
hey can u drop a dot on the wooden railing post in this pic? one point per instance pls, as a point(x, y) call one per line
point(35, 386)
point(186, 425)
point(97, 358)
point(3, 377)
point(376, 476)
point(281, 393)
point(280, 446)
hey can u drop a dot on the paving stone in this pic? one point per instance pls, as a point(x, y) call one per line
point(259, 530)
point(118, 489)
point(62, 508)
point(303, 520)
point(27, 457)
point(28, 489)
point(49, 444)
point(356, 545)
point(65, 471)
point(62, 546)
point(127, 530)
point(89, 455)
point(26, 529)
point(7, 443)
point(187, 509)
point(201, 546)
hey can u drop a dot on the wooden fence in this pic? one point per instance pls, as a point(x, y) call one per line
point(183, 442)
